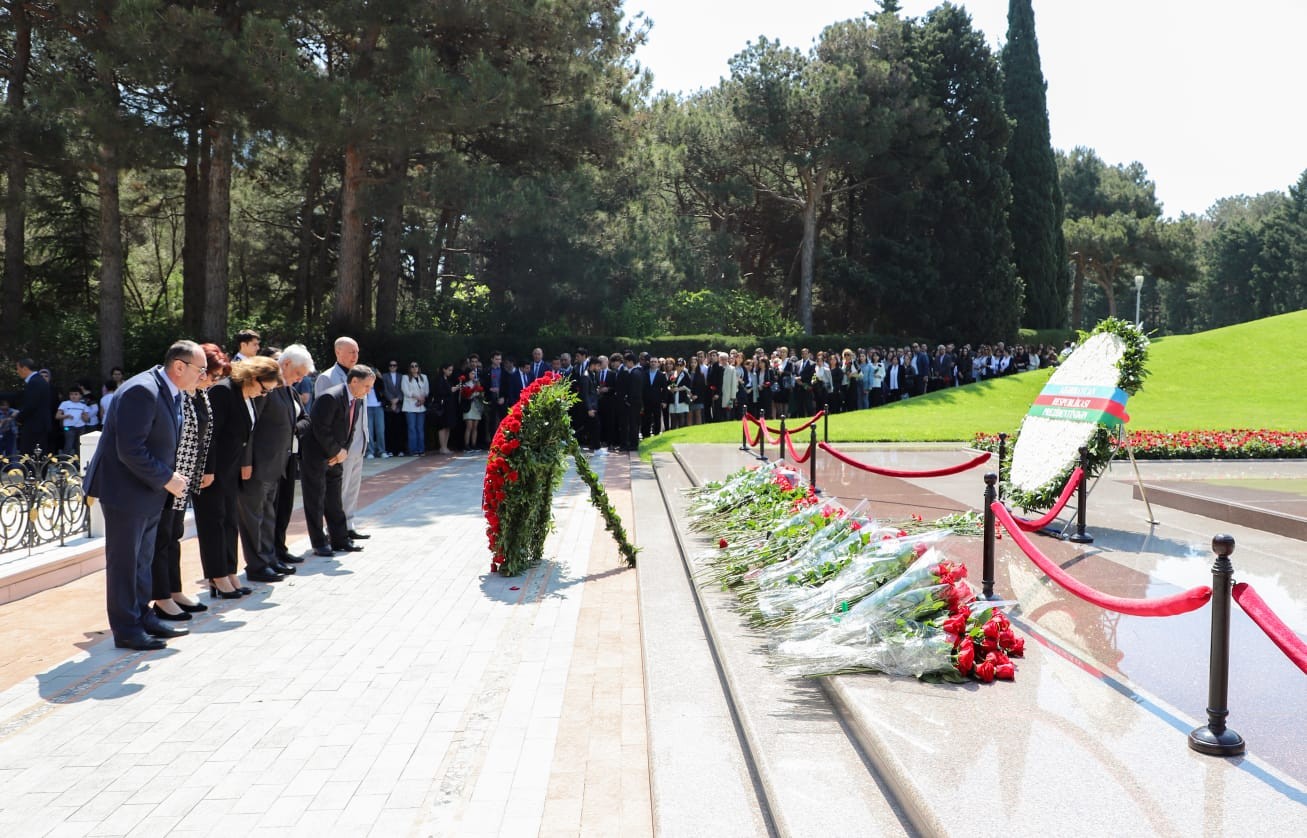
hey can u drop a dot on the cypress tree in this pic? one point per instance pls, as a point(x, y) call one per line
point(1036, 216)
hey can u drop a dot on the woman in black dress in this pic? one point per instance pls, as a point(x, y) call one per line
point(444, 395)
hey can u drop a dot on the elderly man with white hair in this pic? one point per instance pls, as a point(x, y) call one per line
point(347, 355)
point(296, 363)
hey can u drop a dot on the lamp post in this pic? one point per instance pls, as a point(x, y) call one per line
point(1139, 287)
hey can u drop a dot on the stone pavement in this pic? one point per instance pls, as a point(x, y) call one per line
point(397, 691)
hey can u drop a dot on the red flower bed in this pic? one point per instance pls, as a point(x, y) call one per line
point(1237, 444)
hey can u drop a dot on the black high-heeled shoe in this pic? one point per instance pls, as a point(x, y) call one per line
point(164, 615)
point(215, 593)
point(192, 609)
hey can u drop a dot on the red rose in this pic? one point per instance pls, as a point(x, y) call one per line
point(1005, 638)
point(991, 630)
point(920, 548)
point(957, 624)
point(721, 542)
point(966, 658)
point(985, 671)
point(1018, 648)
point(1005, 672)
point(855, 526)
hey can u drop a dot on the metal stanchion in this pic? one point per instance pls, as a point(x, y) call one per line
point(1082, 498)
point(781, 445)
point(744, 434)
point(825, 426)
point(987, 568)
point(762, 440)
point(1215, 738)
point(812, 459)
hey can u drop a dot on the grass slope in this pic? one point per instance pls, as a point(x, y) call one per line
point(1245, 376)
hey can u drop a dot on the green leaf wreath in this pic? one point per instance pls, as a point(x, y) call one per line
point(525, 467)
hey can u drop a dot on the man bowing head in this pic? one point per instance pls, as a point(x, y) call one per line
point(132, 473)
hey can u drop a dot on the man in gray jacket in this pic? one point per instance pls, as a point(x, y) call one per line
point(347, 355)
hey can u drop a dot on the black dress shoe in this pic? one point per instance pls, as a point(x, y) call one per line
point(141, 643)
point(324, 551)
point(263, 575)
point(193, 609)
point(154, 628)
point(357, 535)
point(244, 591)
point(289, 559)
point(164, 615)
point(348, 548)
point(284, 569)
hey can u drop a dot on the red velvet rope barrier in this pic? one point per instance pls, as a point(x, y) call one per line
point(751, 440)
point(794, 455)
point(891, 472)
point(1281, 635)
point(1181, 603)
point(774, 437)
point(802, 427)
point(1048, 517)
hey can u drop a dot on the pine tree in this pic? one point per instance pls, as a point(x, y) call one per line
point(1036, 216)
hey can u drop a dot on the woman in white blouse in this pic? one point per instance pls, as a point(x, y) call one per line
point(416, 390)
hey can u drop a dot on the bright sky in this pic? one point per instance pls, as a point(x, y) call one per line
point(1207, 95)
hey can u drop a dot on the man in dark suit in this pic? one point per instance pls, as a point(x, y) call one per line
point(716, 373)
point(516, 381)
point(655, 385)
point(587, 386)
point(334, 420)
point(296, 364)
point(609, 403)
point(630, 390)
point(36, 416)
point(131, 473)
point(392, 399)
point(539, 366)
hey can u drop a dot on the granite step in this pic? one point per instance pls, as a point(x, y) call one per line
point(814, 775)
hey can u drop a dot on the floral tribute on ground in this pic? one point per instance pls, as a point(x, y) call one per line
point(837, 592)
point(525, 466)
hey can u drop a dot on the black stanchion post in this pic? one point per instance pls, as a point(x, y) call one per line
point(1215, 738)
point(744, 434)
point(1082, 498)
point(784, 433)
point(812, 460)
point(987, 569)
point(825, 427)
point(762, 439)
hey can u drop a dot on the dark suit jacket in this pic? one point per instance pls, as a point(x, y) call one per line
point(230, 446)
point(630, 387)
point(587, 389)
point(715, 374)
point(511, 387)
point(36, 416)
point(138, 446)
point(329, 430)
point(274, 433)
point(653, 392)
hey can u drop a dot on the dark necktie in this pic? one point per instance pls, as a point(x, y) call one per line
point(353, 408)
point(177, 410)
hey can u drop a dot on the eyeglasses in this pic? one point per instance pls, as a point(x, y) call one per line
point(392, 366)
point(204, 371)
point(263, 385)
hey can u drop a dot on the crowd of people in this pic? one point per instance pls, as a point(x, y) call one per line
point(233, 437)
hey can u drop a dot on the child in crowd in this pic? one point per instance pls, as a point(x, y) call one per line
point(72, 413)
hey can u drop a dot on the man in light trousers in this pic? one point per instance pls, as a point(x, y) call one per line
point(347, 355)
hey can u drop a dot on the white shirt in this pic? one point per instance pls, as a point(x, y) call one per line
point(74, 413)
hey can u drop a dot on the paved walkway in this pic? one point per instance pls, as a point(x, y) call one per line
point(397, 691)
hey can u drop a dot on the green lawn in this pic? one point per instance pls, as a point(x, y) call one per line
point(1246, 376)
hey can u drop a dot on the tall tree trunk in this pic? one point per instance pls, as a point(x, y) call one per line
point(392, 234)
point(195, 211)
point(353, 241)
point(15, 280)
point(213, 324)
point(304, 268)
point(111, 263)
point(1078, 296)
point(813, 189)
